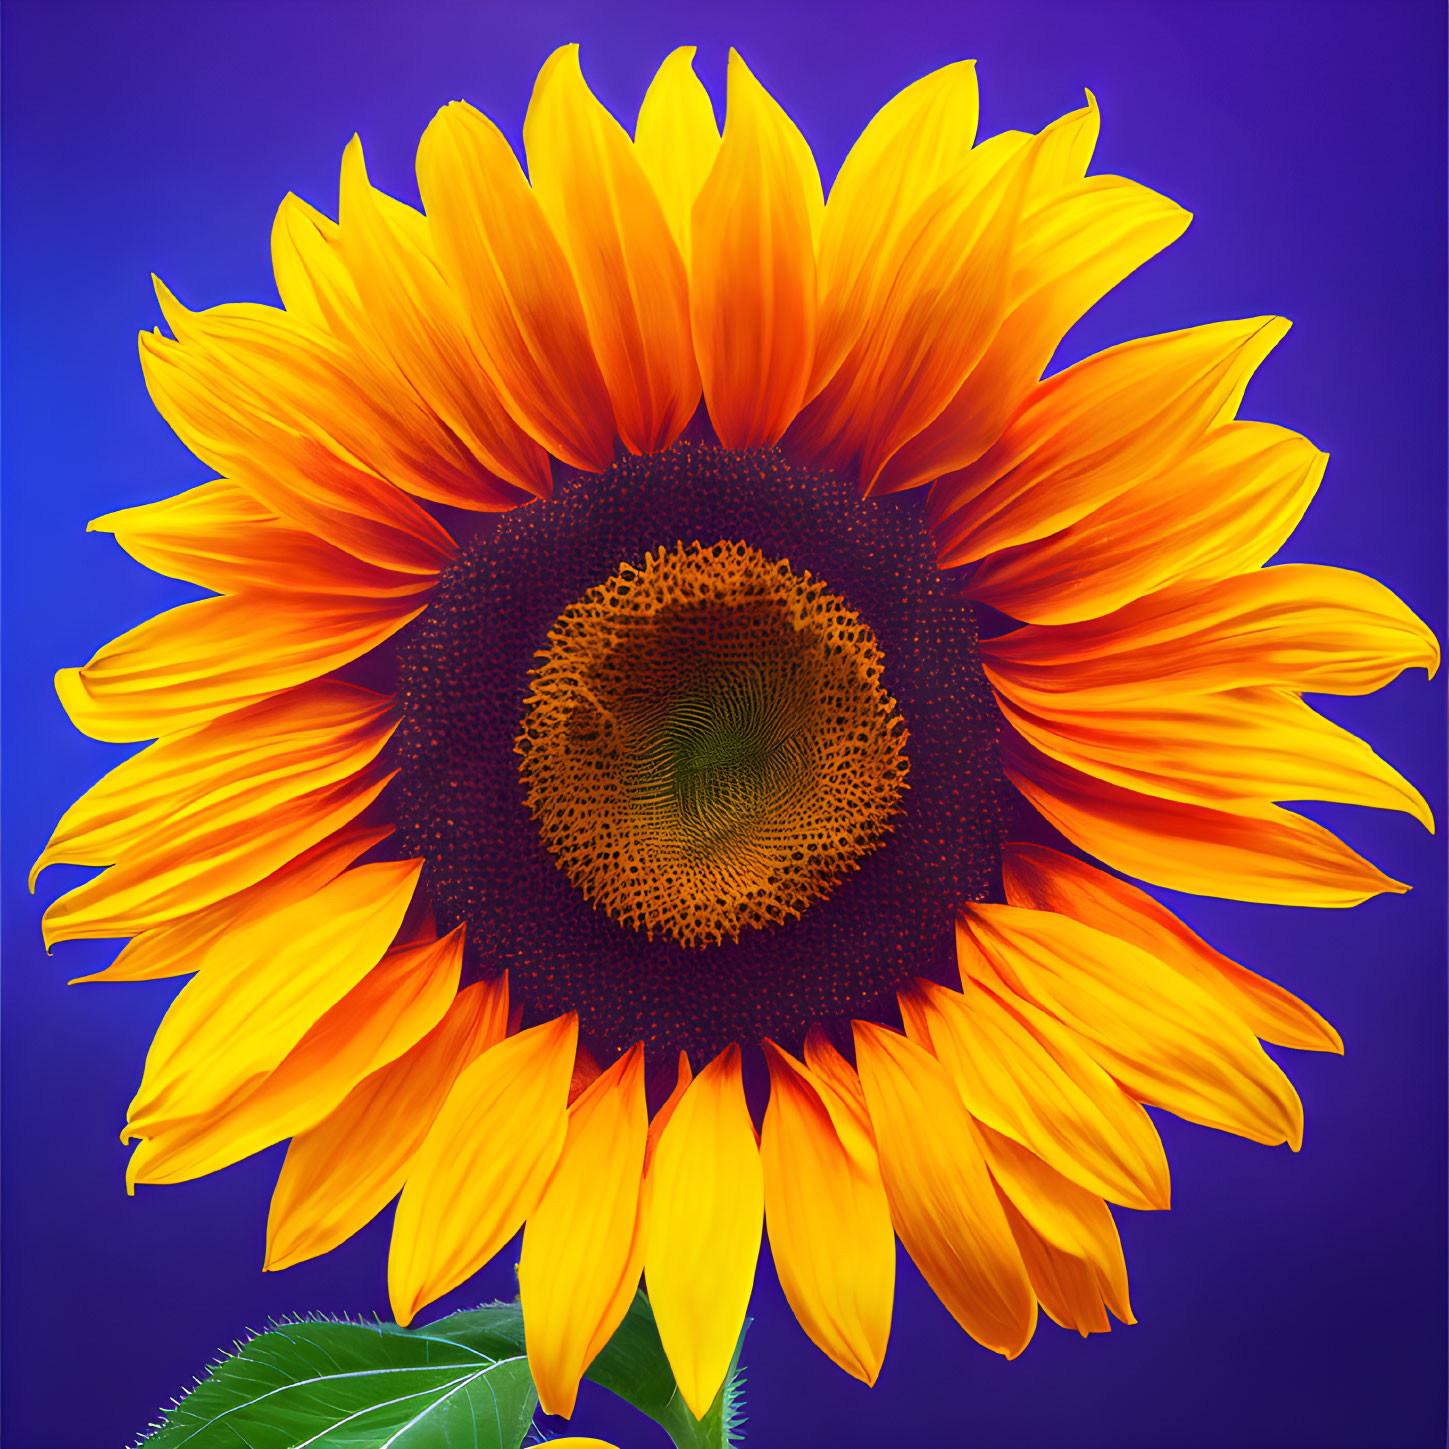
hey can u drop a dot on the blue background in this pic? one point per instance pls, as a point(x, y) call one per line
point(1285, 1301)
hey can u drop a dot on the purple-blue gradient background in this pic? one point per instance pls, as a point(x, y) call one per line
point(1293, 1301)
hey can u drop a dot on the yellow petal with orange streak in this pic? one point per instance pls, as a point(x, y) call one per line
point(394, 1006)
point(752, 292)
point(510, 274)
point(339, 1174)
point(1224, 509)
point(576, 1246)
point(1271, 855)
point(192, 663)
point(676, 140)
point(1047, 880)
point(230, 770)
point(1307, 627)
point(1071, 250)
point(941, 1196)
point(828, 1219)
point(612, 227)
point(223, 538)
point(187, 944)
point(706, 1218)
point(1021, 1073)
point(1166, 1040)
point(1087, 434)
point(231, 1025)
point(913, 144)
point(483, 1165)
point(183, 871)
point(831, 1068)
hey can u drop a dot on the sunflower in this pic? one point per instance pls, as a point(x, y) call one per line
point(669, 656)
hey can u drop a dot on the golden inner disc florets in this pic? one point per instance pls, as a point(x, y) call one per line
point(707, 744)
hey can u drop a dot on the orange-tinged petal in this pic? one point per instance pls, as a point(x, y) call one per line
point(1295, 626)
point(339, 1174)
point(483, 1166)
point(185, 945)
point(195, 662)
point(828, 1218)
point(223, 538)
point(630, 276)
point(501, 258)
point(393, 1007)
point(1047, 880)
point(235, 1022)
point(1271, 855)
point(706, 1217)
point(752, 292)
point(1224, 509)
point(1021, 1073)
point(183, 871)
point(831, 1068)
point(676, 140)
point(1089, 433)
point(1071, 250)
point(1064, 1222)
point(683, 1077)
point(233, 770)
point(941, 1196)
point(913, 145)
point(576, 1247)
point(1166, 1040)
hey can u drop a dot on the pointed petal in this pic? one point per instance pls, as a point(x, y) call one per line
point(941, 1196)
point(829, 1221)
point(1166, 1040)
point(576, 1247)
point(630, 276)
point(339, 1174)
point(1047, 880)
point(501, 258)
point(1022, 1074)
point(706, 1218)
point(835, 1072)
point(484, 1164)
point(752, 294)
point(192, 663)
point(231, 1025)
point(676, 140)
point(1271, 855)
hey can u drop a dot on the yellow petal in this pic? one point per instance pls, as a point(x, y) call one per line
point(232, 1024)
point(1022, 1074)
point(1088, 434)
point(576, 1247)
point(182, 872)
point(941, 1196)
point(705, 1223)
point(502, 260)
point(831, 1068)
point(187, 944)
point(629, 272)
point(1166, 1040)
point(484, 1164)
point(828, 1218)
point(1224, 509)
point(752, 294)
point(221, 537)
point(339, 1174)
point(676, 140)
point(913, 145)
point(393, 1007)
point(1047, 880)
point(1296, 626)
point(1072, 1230)
point(227, 772)
point(1271, 855)
point(192, 663)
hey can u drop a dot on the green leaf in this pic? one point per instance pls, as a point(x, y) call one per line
point(328, 1385)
